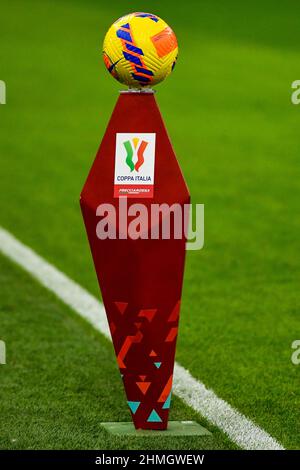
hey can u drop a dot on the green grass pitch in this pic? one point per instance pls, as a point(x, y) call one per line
point(228, 110)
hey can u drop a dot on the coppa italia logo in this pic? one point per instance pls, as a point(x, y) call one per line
point(137, 146)
point(134, 165)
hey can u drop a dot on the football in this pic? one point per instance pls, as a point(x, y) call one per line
point(140, 50)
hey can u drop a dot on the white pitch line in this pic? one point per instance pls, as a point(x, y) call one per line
point(238, 428)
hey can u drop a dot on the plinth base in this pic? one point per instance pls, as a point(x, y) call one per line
point(175, 428)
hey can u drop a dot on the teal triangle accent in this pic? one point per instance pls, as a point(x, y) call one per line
point(133, 405)
point(167, 403)
point(157, 364)
point(154, 417)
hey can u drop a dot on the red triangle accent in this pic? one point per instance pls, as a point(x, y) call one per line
point(142, 377)
point(143, 386)
point(148, 313)
point(138, 325)
point(121, 306)
point(172, 335)
point(166, 391)
point(153, 353)
point(175, 313)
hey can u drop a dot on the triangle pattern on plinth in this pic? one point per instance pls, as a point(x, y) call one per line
point(148, 313)
point(154, 417)
point(133, 405)
point(167, 403)
point(143, 386)
point(175, 313)
point(121, 306)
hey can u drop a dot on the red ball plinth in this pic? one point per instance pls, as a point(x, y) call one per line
point(141, 279)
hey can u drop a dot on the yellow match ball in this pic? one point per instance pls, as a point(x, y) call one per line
point(140, 50)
